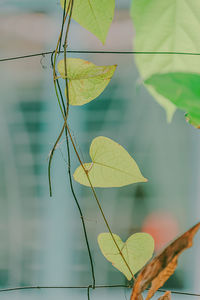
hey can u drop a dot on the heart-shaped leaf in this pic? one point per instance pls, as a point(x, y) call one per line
point(182, 89)
point(86, 81)
point(137, 250)
point(171, 25)
point(111, 166)
point(94, 15)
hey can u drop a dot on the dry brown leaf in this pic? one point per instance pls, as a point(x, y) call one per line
point(162, 266)
point(140, 297)
point(166, 296)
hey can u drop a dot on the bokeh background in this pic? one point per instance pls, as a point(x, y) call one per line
point(41, 238)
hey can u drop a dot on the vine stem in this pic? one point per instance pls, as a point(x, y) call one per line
point(53, 62)
point(63, 23)
point(65, 115)
point(51, 156)
point(65, 58)
point(98, 202)
point(66, 112)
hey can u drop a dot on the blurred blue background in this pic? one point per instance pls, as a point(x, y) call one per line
point(41, 238)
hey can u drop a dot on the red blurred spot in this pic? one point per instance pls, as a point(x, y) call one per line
point(162, 226)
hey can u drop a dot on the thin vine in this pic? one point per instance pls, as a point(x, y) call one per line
point(65, 125)
point(154, 265)
point(65, 112)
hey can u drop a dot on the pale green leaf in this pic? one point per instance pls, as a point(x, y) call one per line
point(137, 250)
point(111, 166)
point(182, 89)
point(86, 81)
point(171, 25)
point(94, 15)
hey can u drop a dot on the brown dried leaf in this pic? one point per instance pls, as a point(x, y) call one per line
point(166, 296)
point(140, 297)
point(162, 266)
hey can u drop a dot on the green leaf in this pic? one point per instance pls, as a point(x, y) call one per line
point(137, 250)
point(94, 15)
point(193, 119)
point(182, 89)
point(171, 25)
point(111, 166)
point(86, 81)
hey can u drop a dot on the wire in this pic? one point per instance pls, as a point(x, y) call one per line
point(180, 293)
point(101, 52)
point(61, 287)
point(88, 287)
point(88, 291)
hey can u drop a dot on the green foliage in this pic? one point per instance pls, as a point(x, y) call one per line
point(94, 15)
point(137, 250)
point(111, 166)
point(170, 25)
point(161, 26)
point(86, 81)
point(182, 89)
point(193, 119)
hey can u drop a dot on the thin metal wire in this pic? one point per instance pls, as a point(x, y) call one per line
point(88, 291)
point(101, 52)
point(61, 287)
point(88, 288)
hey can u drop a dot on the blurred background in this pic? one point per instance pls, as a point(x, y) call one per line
point(42, 240)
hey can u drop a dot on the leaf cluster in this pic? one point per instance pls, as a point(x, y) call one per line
point(170, 26)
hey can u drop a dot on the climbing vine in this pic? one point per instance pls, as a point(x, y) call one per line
point(111, 165)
